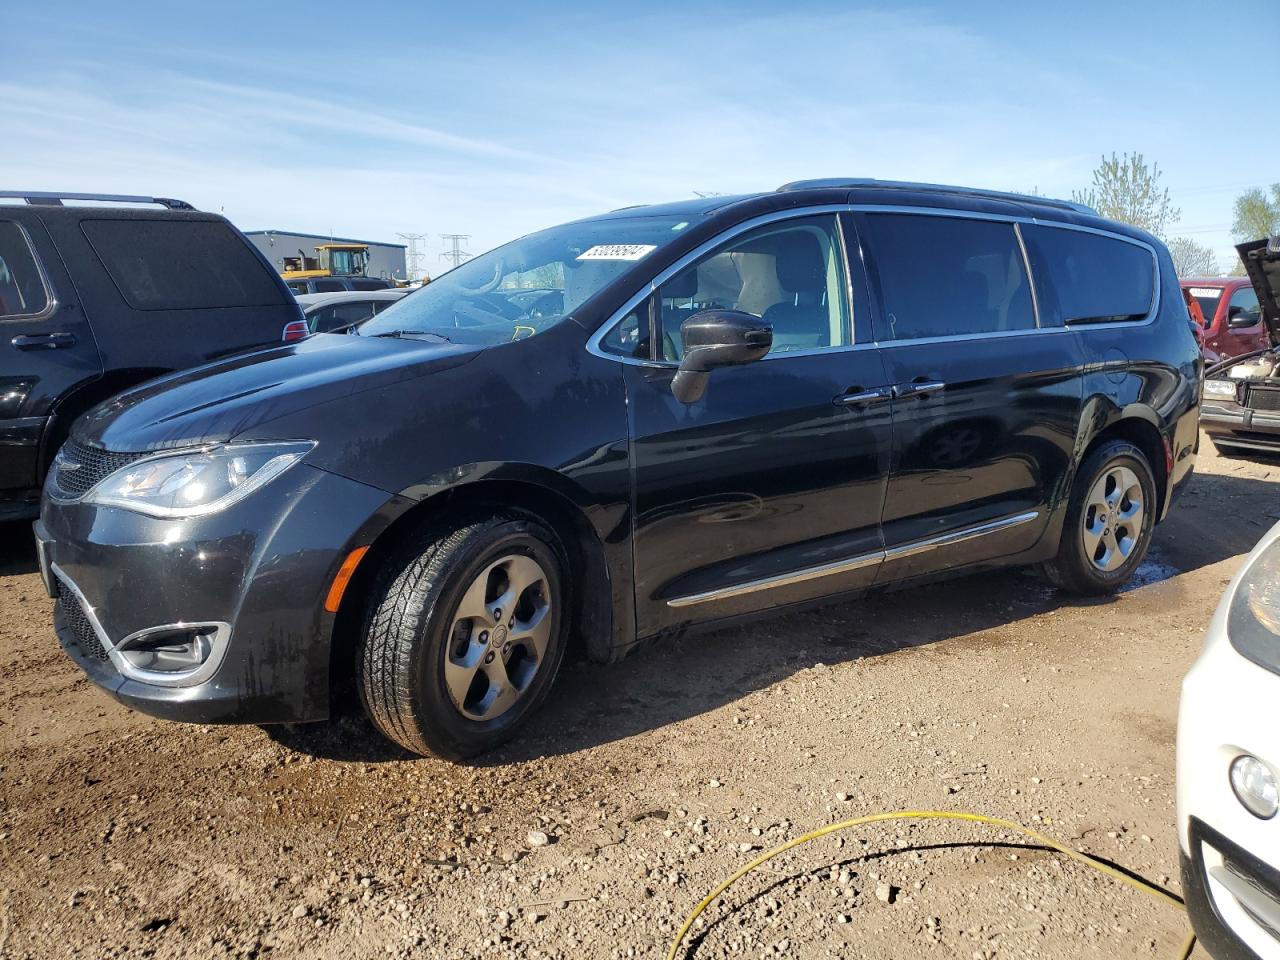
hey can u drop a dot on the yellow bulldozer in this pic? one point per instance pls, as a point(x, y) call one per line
point(331, 260)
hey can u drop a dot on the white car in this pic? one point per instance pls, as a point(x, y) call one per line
point(326, 312)
point(1229, 768)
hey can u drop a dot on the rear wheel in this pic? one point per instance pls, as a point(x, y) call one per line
point(465, 637)
point(1109, 521)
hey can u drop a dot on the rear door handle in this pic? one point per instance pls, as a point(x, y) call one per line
point(863, 398)
point(43, 341)
point(905, 391)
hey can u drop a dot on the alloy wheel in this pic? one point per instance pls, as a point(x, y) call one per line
point(499, 637)
point(1111, 523)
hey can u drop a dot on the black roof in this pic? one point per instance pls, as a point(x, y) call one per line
point(868, 191)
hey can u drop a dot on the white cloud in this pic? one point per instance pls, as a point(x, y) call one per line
point(584, 119)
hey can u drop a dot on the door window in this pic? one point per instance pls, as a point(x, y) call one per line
point(329, 286)
point(1243, 308)
point(947, 276)
point(22, 290)
point(790, 274)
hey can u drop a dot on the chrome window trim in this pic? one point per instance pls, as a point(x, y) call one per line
point(51, 302)
point(796, 213)
point(874, 558)
point(187, 678)
point(594, 347)
point(1031, 279)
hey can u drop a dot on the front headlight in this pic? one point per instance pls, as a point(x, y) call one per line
point(1253, 623)
point(1219, 389)
point(195, 483)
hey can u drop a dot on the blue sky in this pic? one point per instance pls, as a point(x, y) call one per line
point(492, 119)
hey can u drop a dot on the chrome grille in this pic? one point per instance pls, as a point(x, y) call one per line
point(76, 623)
point(79, 466)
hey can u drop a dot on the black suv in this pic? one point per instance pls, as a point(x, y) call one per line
point(733, 405)
point(95, 299)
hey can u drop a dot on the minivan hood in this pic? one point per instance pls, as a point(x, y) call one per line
point(218, 401)
point(1261, 259)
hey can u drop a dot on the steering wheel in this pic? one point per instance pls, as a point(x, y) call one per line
point(499, 269)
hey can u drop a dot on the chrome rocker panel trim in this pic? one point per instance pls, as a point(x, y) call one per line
point(855, 563)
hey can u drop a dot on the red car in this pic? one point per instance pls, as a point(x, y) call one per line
point(1232, 317)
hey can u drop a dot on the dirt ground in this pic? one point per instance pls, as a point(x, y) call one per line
point(122, 836)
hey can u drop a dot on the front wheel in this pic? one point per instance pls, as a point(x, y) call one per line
point(467, 631)
point(1109, 522)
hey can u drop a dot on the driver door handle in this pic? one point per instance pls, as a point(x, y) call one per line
point(43, 341)
point(863, 398)
point(905, 391)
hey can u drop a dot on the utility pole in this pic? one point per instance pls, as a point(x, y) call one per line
point(455, 254)
point(414, 256)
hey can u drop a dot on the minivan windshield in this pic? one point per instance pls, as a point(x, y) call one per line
point(527, 286)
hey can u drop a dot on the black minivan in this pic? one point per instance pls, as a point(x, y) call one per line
point(710, 409)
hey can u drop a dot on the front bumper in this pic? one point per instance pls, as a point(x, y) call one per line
point(260, 570)
point(1217, 916)
point(1230, 858)
point(1238, 426)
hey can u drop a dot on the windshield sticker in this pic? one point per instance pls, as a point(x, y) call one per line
point(618, 251)
point(1205, 292)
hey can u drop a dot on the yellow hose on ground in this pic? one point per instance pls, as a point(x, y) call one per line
point(1083, 858)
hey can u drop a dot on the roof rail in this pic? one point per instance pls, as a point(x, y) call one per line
point(872, 183)
point(47, 199)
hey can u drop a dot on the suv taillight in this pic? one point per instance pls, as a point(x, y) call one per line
point(294, 330)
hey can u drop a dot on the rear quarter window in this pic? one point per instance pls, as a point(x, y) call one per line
point(181, 264)
point(1098, 279)
point(22, 289)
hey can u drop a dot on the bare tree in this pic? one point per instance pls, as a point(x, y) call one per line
point(1126, 189)
point(1191, 259)
point(1256, 214)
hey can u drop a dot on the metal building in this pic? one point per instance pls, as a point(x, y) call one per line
point(386, 260)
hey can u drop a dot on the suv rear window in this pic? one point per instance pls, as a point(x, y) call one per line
point(22, 290)
point(181, 264)
point(1097, 278)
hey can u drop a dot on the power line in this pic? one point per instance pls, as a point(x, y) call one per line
point(455, 254)
point(413, 257)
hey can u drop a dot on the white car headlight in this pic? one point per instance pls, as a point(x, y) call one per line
point(195, 483)
point(1253, 622)
point(1219, 389)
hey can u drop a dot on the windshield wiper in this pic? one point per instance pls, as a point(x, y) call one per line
point(409, 334)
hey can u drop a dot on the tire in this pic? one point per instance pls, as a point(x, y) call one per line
point(1085, 563)
point(427, 674)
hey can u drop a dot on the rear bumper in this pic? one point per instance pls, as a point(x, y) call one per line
point(255, 576)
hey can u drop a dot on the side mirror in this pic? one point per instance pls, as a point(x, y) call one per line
point(717, 338)
point(1237, 317)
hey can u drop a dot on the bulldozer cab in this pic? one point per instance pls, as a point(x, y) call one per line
point(343, 259)
point(331, 260)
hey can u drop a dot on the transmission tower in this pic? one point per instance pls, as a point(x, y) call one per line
point(413, 258)
point(455, 254)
